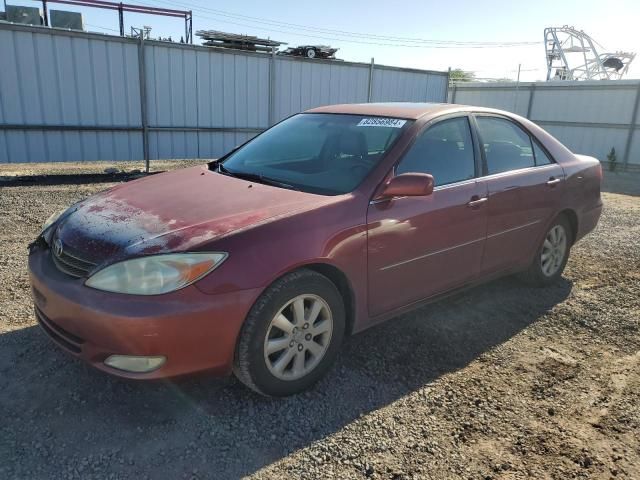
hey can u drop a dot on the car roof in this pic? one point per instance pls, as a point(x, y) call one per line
point(407, 110)
point(429, 111)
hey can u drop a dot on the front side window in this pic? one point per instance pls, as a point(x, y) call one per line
point(444, 150)
point(320, 153)
point(506, 146)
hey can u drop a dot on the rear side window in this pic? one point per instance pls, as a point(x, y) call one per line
point(444, 150)
point(541, 157)
point(506, 146)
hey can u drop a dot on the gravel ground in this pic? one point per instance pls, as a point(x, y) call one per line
point(503, 381)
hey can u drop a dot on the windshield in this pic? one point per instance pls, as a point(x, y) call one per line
point(328, 154)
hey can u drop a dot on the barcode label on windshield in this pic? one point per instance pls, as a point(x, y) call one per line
point(382, 122)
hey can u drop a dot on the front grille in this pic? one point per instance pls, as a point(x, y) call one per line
point(70, 262)
point(65, 339)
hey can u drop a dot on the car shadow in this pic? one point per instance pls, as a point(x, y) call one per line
point(61, 414)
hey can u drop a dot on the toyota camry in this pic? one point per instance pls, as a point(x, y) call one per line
point(331, 221)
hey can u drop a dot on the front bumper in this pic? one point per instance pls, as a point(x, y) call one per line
point(195, 331)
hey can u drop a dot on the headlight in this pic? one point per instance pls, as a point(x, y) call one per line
point(155, 274)
point(51, 220)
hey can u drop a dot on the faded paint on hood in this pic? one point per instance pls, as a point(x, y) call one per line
point(176, 211)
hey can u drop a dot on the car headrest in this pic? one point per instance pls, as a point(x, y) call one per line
point(346, 142)
point(442, 150)
point(502, 156)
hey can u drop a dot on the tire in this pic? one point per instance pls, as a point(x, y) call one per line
point(541, 273)
point(295, 362)
point(310, 53)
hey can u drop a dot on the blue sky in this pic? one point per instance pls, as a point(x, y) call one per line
point(613, 24)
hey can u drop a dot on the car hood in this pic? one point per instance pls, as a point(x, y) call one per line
point(177, 211)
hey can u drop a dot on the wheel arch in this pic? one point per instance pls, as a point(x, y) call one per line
point(334, 274)
point(572, 217)
point(341, 281)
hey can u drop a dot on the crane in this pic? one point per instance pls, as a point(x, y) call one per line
point(572, 55)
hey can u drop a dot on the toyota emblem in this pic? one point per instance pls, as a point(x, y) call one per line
point(57, 247)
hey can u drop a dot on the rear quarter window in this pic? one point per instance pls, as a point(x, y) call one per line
point(541, 157)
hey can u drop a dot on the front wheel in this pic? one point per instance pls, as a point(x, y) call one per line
point(291, 336)
point(552, 255)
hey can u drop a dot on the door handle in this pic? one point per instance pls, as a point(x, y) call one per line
point(477, 202)
point(553, 181)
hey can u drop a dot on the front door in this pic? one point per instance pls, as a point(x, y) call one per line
point(421, 246)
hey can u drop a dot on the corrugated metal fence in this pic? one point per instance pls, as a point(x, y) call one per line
point(588, 117)
point(74, 96)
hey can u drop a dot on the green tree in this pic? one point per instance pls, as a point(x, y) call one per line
point(612, 158)
point(459, 75)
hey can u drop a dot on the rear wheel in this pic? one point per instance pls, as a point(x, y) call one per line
point(552, 255)
point(291, 336)
point(311, 53)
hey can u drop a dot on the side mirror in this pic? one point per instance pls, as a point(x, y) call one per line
point(409, 185)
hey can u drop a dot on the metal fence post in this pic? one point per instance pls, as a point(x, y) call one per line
point(143, 102)
point(532, 92)
point(370, 87)
point(515, 97)
point(446, 91)
point(272, 87)
point(632, 128)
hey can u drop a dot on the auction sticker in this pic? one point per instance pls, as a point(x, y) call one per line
point(381, 122)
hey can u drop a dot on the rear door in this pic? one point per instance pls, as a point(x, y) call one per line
point(524, 186)
point(422, 246)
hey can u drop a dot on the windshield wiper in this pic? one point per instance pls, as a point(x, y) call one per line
point(254, 177)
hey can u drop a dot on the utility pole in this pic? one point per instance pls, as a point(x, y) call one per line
point(44, 11)
point(121, 18)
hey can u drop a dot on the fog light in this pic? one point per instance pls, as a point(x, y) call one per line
point(136, 364)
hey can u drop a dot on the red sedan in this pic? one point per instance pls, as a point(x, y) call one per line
point(331, 221)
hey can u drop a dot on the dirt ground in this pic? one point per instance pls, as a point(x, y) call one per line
point(500, 382)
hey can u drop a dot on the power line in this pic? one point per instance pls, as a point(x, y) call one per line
point(347, 33)
point(102, 28)
point(348, 40)
point(338, 35)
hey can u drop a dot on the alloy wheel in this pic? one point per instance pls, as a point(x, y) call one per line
point(554, 250)
point(298, 337)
